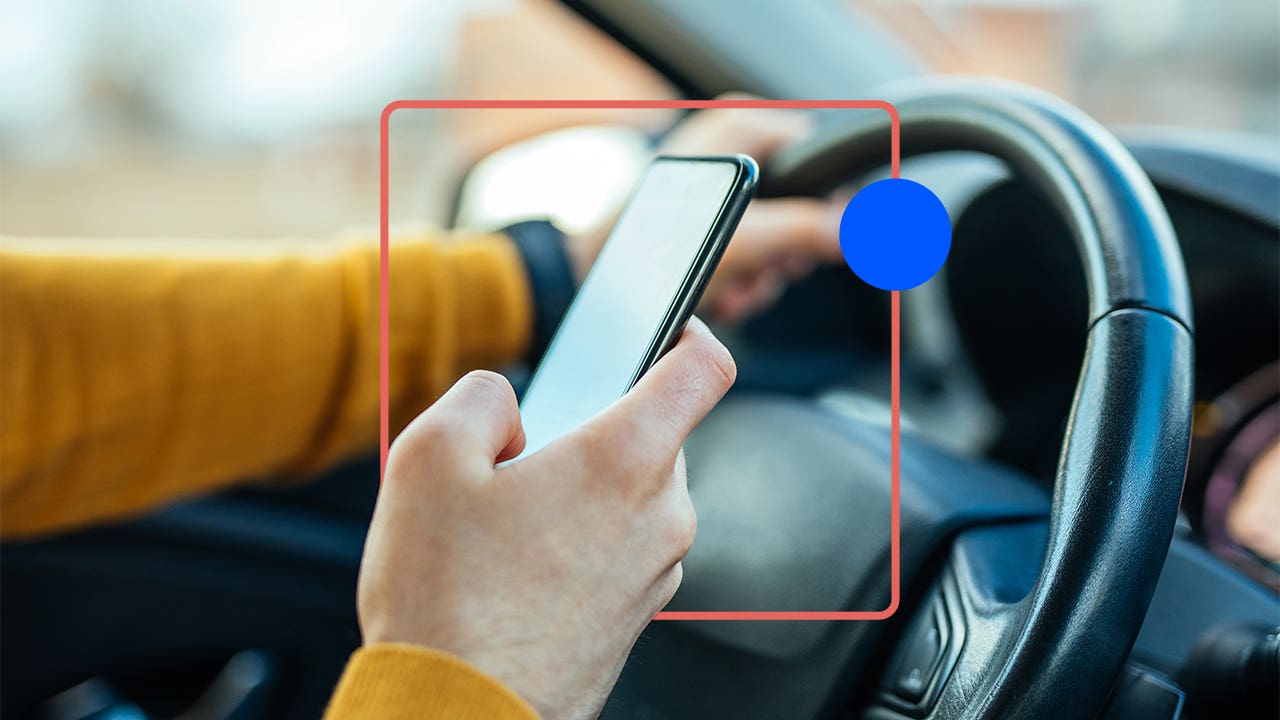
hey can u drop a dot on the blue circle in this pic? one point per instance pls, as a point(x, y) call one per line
point(895, 234)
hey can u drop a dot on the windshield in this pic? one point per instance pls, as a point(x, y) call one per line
point(1149, 62)
point(258, 117)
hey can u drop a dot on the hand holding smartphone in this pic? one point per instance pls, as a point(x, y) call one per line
point(637, 297)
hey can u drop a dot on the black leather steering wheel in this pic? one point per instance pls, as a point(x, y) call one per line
point(1054, 646)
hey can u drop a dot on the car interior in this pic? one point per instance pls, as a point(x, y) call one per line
point(1076, 385)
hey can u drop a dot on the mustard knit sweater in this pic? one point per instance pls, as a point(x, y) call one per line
point(131, 376)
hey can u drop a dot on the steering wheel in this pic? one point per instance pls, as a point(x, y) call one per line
point(1009, 617)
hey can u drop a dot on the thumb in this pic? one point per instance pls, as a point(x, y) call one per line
point(478, 417)
point(672, 398)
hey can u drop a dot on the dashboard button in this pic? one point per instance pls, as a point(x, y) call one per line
point(924, 652)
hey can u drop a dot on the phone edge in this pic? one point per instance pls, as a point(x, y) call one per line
point(695, 281)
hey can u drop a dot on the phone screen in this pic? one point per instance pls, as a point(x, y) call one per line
point(625, 302)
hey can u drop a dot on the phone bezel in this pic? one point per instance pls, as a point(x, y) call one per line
point(700, 271)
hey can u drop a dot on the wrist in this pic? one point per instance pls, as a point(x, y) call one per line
point(553, 277)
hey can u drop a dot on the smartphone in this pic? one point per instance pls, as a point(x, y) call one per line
point(637, 297)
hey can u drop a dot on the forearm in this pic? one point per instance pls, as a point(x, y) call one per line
point(132, 378)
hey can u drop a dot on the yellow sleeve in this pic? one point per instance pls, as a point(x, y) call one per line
point(130, 376)
point(406, 682)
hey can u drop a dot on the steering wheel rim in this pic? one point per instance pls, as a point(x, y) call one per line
point(1057, 650)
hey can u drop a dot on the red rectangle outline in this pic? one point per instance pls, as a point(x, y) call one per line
point(384, 366)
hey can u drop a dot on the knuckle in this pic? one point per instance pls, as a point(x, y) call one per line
point(685, 526)
point(442, 428)
point(670, 583)
point(595, 448)
point(429, 440)
point(651, 465)
point(715, 367)
point(624, 452)
point(429, 433)
point(489, 383)
point(493, 390)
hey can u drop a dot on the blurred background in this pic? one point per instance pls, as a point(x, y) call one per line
point(214, 118)
point(217, 119)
